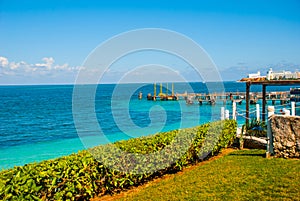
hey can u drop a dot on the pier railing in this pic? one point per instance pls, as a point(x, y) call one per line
point(288, 109)
point(282, 96)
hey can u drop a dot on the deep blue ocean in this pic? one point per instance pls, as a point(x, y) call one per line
point(37, 122)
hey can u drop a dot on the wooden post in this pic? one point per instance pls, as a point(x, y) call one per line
point(257, 112)
point(248, 84)
point(234, 110)
point(264, 102)
point(268, 152)
point(293, 108)
point(160, 91)
point(172, 89)
point(226, 114)
point(222, 113)
point(167, 90)
point(271, 111)
point(286, 112)
point(270, 148)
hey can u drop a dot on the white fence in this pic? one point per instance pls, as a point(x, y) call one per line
point(225, 114)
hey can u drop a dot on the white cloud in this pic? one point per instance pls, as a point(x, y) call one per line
point(3, 61)
point(48, 63)
point(47, 68)
point(14, 65)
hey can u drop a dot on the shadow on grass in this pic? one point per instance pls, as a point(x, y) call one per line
point(255, 152)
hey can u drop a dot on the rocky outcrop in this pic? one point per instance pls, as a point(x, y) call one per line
point(251, 142)
point(286, 136)
point(254, 142)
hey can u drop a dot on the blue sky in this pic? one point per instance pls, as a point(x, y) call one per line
point(47, 41)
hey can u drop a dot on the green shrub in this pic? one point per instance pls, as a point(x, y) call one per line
point(80, 176)
point(255, 128)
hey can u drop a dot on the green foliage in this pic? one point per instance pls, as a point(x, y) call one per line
point(240, 175)
point(80, 176)
point(60, 179)
point(255, 128)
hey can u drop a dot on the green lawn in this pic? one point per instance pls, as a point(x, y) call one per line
point(241, 175)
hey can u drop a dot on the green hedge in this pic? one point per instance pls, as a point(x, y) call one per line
point(80, 176)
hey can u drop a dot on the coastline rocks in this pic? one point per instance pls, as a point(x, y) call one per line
point(286, 136)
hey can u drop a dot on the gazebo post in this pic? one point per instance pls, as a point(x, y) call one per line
point(248, 84)
point(264, 102)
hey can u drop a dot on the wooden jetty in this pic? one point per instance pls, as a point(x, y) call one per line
point(282, 96)
point(162, 96)
point(212, 98)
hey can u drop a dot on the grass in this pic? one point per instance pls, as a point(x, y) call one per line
point(240, 175)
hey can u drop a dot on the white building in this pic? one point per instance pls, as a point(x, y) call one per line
point(254, 75)
point(271, 75)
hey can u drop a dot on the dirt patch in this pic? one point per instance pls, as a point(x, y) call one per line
point(164, 177)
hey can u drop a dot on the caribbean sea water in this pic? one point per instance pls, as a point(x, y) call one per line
point(37, 122)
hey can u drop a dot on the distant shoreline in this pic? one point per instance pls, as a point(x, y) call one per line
point(63, 84)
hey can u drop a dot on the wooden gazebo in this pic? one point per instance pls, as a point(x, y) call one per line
point(264, 84)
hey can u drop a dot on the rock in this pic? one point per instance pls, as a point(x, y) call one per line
point(277, 138)
point(254, 143)
point(290, 144)
point(298, 145)
point(278, 146)
point(286, 135)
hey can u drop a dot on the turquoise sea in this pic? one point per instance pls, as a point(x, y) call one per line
point(37, 122)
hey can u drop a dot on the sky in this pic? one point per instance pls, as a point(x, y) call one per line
point(48, 41)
